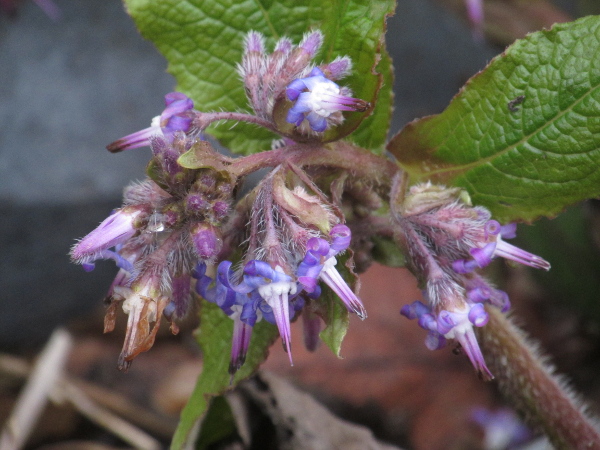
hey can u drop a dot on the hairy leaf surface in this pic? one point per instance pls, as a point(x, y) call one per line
point(202, 41)
point(523, 136)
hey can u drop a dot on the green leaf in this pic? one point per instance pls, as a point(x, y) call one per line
point(214, 336)
point(521, 160)
point(372, 133)
point(203, 39)
point(385, 251)
point(336, 318)
point(218, 424)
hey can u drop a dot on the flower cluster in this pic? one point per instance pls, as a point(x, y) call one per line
point(179, 224)
point(266, 292)
point(269, 79)
point(168, 224)
point(178, 231)
point(446, 241)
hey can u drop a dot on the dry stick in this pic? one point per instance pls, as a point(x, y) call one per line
point(101, 416)
point(113, 402)
point(34, 396)
point(533, 388)
point(121, 406)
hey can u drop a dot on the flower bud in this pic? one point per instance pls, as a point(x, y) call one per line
point(207, 240)
point(117, 228)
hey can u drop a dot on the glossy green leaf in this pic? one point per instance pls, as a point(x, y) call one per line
point(214, 336)
point(523, 136)
point(203, 39)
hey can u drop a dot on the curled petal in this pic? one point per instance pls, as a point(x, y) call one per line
point(414, 310)
point(434, 341)
point(478, 315)
point(341, 237)
point(483, 256)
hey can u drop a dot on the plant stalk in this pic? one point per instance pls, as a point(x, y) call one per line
point(533, 388)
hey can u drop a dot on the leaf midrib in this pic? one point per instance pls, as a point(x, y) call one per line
point(480, 162)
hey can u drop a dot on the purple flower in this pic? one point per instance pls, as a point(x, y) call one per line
point(479, 291)
point(495, 246)
point(221, 292)
point(455, 324)
point(114, 230)
point(319, 264)
point(317, 98)
point(175, 117)
point(242, 332)
point(311, 323)
point(264, 292)
point(276, 288)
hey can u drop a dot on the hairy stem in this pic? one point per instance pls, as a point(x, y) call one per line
point(533, 388)
point(203, 119)
point(359, 162)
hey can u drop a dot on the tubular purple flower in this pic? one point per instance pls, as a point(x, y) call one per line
point(464, 334)
point(414, 310)
point(482, 256)
point(222, 292)
point(114, 230)
point(276, 288)
point(319, 263)
point(242, 332)
point(316, 99)
point(479, 291)
point(121, 262)
point(238, 306)
point(175, 117)
point(340, 238)
point(456, 324)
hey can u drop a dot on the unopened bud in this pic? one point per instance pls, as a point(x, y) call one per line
point(207, 240)
point(197, 203)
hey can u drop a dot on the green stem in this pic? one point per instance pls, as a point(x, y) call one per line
point(533, 388)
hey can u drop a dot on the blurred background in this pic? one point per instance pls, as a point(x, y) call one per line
point(70, 84)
